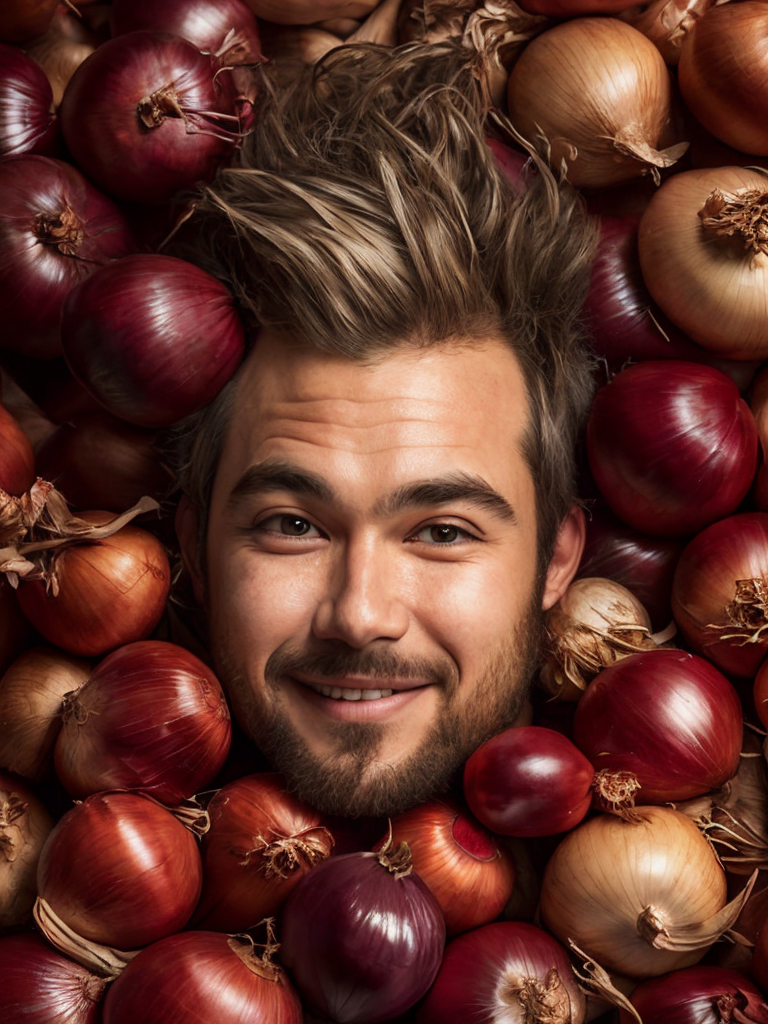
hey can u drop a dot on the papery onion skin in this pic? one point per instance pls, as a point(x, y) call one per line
point(606, 873)
point(55, 229)
point(667, 717)
point(196, 978)
point(205, 23)
point(362, 945)
point(483, 974)
point(107, 135)
point(261, 842)
point(27, 122)
point(666, 23)
point(31, 694)
point(709, 285)
point(152, 717)
point(698, 995)
point(656, 473)
point(25, 825)
point(720, 591)
point(468, 872)
point(17, 460)
point(152, 338)
point(40, 986)
point(528, 782)
point(120, 870)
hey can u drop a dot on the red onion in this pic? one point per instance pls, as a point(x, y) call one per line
point(25, 825)
point(200, 977)
point(470, 874)
point(152, 717)
point(515, 166)
point(153, 338)
point(720, 593)
point(363, 936)
point(698, 995)
point(17, 460)
point(21, 20)
point(40, 986)
point(55, 229)
point(665, 719)
point(528, 782)
point(27, 121)
point(261, 842)
point(572, 8)
point(671, 446)
point(119, 869)
point(145, 118)
point(508, 971)
point(107, 592)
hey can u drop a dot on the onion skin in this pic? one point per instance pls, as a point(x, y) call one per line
point(706, 583)
point(120, 870)
point(40, 986)
point(657, 475)
point(25, 825)
point(482, 969)
point(152, 717)
point(152, 338)
point(306, 12)
point(27, 122)
point(64, 46)
point(668, 718)
point(17, 460)
point(698, 995)
point(204, 23)
point(528, 782)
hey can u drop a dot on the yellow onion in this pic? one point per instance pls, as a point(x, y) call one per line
point(305, 12)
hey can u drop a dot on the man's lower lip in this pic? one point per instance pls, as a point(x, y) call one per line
point(355, 710)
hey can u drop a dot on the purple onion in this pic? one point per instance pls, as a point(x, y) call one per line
point(698, 995)
point(210, 25)
point(27, 120)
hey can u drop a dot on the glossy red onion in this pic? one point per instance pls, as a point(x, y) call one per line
point(671, 446)
point(21, 20)
point(25, 825)
point(528, 782)
point(198, 977)
point(40, 986)
point(120, 870)
point(144, 117)
point(225, 27)
point(55, 230)
point(666, 718)
point(17, 460)
point(152, 338)
point(346, 963)
point(698, 995)
point(720, 593)
point(509, 971)
point(152, 717)
point(470, 874)
point(27, 120)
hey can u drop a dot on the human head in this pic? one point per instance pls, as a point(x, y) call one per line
point(367, 222)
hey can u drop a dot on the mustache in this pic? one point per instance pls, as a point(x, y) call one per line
point(374, 663)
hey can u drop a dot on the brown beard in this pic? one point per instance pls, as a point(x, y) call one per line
point(350, 782)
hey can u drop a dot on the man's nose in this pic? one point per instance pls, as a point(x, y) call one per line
point(364, 598)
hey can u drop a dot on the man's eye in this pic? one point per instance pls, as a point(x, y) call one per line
point(442, 533)
point(288, 526)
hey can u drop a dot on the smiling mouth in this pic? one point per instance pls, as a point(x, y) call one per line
point(346, 693)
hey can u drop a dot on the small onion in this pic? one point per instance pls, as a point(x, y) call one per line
point(698, 995)
point(40, 986)
point(27, 121)
point(17, 460)
point(31, 695)
point(261, 842)
point(601, 95)
point(119, 869)
point(470, 874)
point(152, 338)
point(152, 717)
point(25, 825)
point(363, 936)
point(506, 972)
point(658, 474)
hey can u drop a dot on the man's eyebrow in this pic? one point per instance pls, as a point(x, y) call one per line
point(444, 490)
point(279, 475)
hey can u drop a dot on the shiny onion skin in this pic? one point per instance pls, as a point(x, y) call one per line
point(612, 886)
point(17, 460)
point(40, 986)
point(152, 717)
point(344, 962)
point(121, 118)
point(528, 782)
point(120, 870)
point(720, 593)
point(705, 278)
point(204, 23)
point(261, 842)
point(508, 971)
point(25, 825)
point(698, 995)
point(470, 874)
point(55, 229)
point(27, 121)
point(152, 338)
point(110, 592)
point(21, 20)
point(199, 977)
point(667, 718)
point(658, 474)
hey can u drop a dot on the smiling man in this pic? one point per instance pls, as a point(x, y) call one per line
point(380, 504)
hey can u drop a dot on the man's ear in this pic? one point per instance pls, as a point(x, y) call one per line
point(187, 525)
point(566, 557)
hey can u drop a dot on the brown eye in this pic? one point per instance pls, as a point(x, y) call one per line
point(293, 526)
point(444, 533)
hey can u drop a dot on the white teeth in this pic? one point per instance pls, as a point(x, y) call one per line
point(337, 693)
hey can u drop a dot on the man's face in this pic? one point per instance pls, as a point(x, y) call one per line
point(371, 556)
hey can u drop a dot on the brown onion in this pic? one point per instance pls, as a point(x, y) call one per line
point(24, 828)
point(305, 12)
point(17, 460)
point(666, 23)
point(61, 50)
